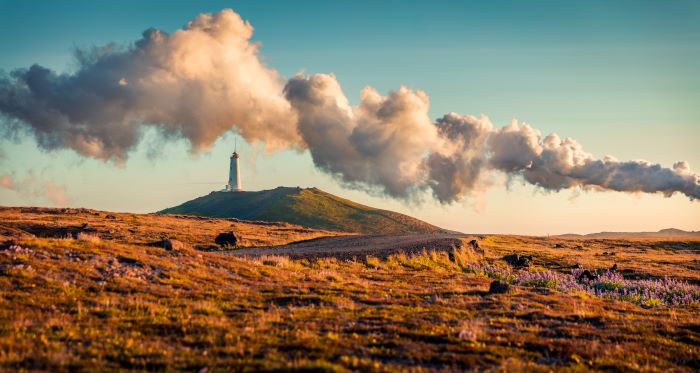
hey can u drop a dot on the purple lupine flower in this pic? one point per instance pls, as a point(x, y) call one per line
point(609, 285)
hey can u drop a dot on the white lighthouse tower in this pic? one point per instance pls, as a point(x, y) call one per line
point(234, 175)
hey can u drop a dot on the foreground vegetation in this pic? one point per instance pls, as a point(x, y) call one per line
point(98, 302)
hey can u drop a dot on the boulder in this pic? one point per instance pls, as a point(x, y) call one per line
point(587, 275)
point(518, 260)
point(524, 261)
point(474, 244)
point(511, 258)
point(227, 239)
point(498, 287)
point(169, 244)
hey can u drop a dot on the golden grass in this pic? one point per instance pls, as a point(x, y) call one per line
point(146, 228)
point(112, 304)
point(655, 257)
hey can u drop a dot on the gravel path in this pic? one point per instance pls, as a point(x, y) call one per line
point(347, 247)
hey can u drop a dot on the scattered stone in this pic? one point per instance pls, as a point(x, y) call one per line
point(128, 261)
point(516, 260)
point(474, 244)
point(587, 275)
point(524, 261)
point(559, 246)
point(227, 239)
point(169, 244)
point(498, 287)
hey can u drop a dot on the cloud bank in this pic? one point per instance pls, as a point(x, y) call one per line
point(207, 78)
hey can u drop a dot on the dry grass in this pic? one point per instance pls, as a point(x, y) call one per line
point(655, 257)
point(145, 228)
point(112, 304)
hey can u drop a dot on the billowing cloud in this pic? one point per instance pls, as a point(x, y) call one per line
point(455, 168)
point(389, 143)
point(207, 78)
point(196, 83)
point(380, 142)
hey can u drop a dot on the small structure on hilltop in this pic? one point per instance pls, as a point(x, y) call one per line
point(234, 175)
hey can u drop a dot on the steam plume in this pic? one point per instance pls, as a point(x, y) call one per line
point(206, 79)
point(195, 83)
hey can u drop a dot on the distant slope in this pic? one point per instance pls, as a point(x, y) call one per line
point(310, 207)
point(668, 232)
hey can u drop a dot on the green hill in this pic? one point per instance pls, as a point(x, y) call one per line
point(310, 207)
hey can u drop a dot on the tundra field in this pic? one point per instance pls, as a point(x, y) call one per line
point(91, 290)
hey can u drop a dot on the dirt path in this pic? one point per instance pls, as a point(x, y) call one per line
point(347, 247)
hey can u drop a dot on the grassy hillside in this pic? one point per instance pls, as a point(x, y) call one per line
point(307, 207)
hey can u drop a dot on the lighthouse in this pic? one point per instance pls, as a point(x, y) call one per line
point(234, 175)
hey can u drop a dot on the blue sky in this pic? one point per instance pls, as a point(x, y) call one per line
point(620, 77)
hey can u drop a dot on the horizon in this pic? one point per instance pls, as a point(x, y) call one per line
point(619, 78)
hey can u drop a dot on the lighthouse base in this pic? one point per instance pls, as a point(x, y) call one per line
point(231, 188)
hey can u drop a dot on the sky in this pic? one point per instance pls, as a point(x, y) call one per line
point(620, 77)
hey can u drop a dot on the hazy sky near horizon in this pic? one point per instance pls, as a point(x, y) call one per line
point(622, 78)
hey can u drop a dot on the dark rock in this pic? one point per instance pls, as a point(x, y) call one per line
point(474, 244)
point(613, 268)
point(129, 261)
point(227, 239)
point(518, 260)
point(559, 246)
point(498, 287)
point(511, 258)
point(208, 248)
point(587, 275)
point(111, 217)
point(169, 244)
point(524, 261)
